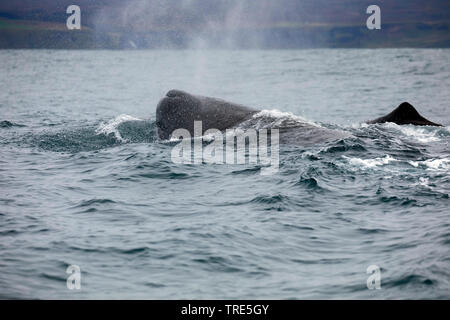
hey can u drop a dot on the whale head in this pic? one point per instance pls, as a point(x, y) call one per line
point(176, 110)
point(179, 110)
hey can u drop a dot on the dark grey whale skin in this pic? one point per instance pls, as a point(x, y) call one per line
point(179, 110)
point(405, 113)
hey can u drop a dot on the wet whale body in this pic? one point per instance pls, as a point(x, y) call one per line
point(179, 109)
point(405, 113)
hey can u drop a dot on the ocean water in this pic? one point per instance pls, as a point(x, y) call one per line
point(84, 180)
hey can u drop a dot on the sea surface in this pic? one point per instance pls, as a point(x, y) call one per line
point(85, 181)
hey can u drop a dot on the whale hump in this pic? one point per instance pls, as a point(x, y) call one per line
point(179, 109)
point(405, 113)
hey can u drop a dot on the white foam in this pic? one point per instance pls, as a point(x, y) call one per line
point(432, 164)
point(357, 125)
point(281, 117)
point(370, 163)
point(275, 113)
point(414, 163)
point(420, 134)
point(112, 125)
point(423, 181)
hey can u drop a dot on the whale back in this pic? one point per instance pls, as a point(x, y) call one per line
point(179, 110)
point(405, 113)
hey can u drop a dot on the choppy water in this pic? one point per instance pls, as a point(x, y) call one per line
point(84, 180)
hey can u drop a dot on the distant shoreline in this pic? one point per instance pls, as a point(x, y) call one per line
point(25, 34)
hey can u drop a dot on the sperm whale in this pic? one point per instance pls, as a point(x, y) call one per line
point(179, 109)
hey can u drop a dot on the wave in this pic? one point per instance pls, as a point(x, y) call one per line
point(267, 119)
point(111, 127)
point(422, 134)
point(370, 163)
point(432, 164)
point(120, 130)
point(442, 164)
point(9, 124)
point(125, 128)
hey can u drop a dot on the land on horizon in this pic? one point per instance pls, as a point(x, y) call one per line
point(118, 24)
